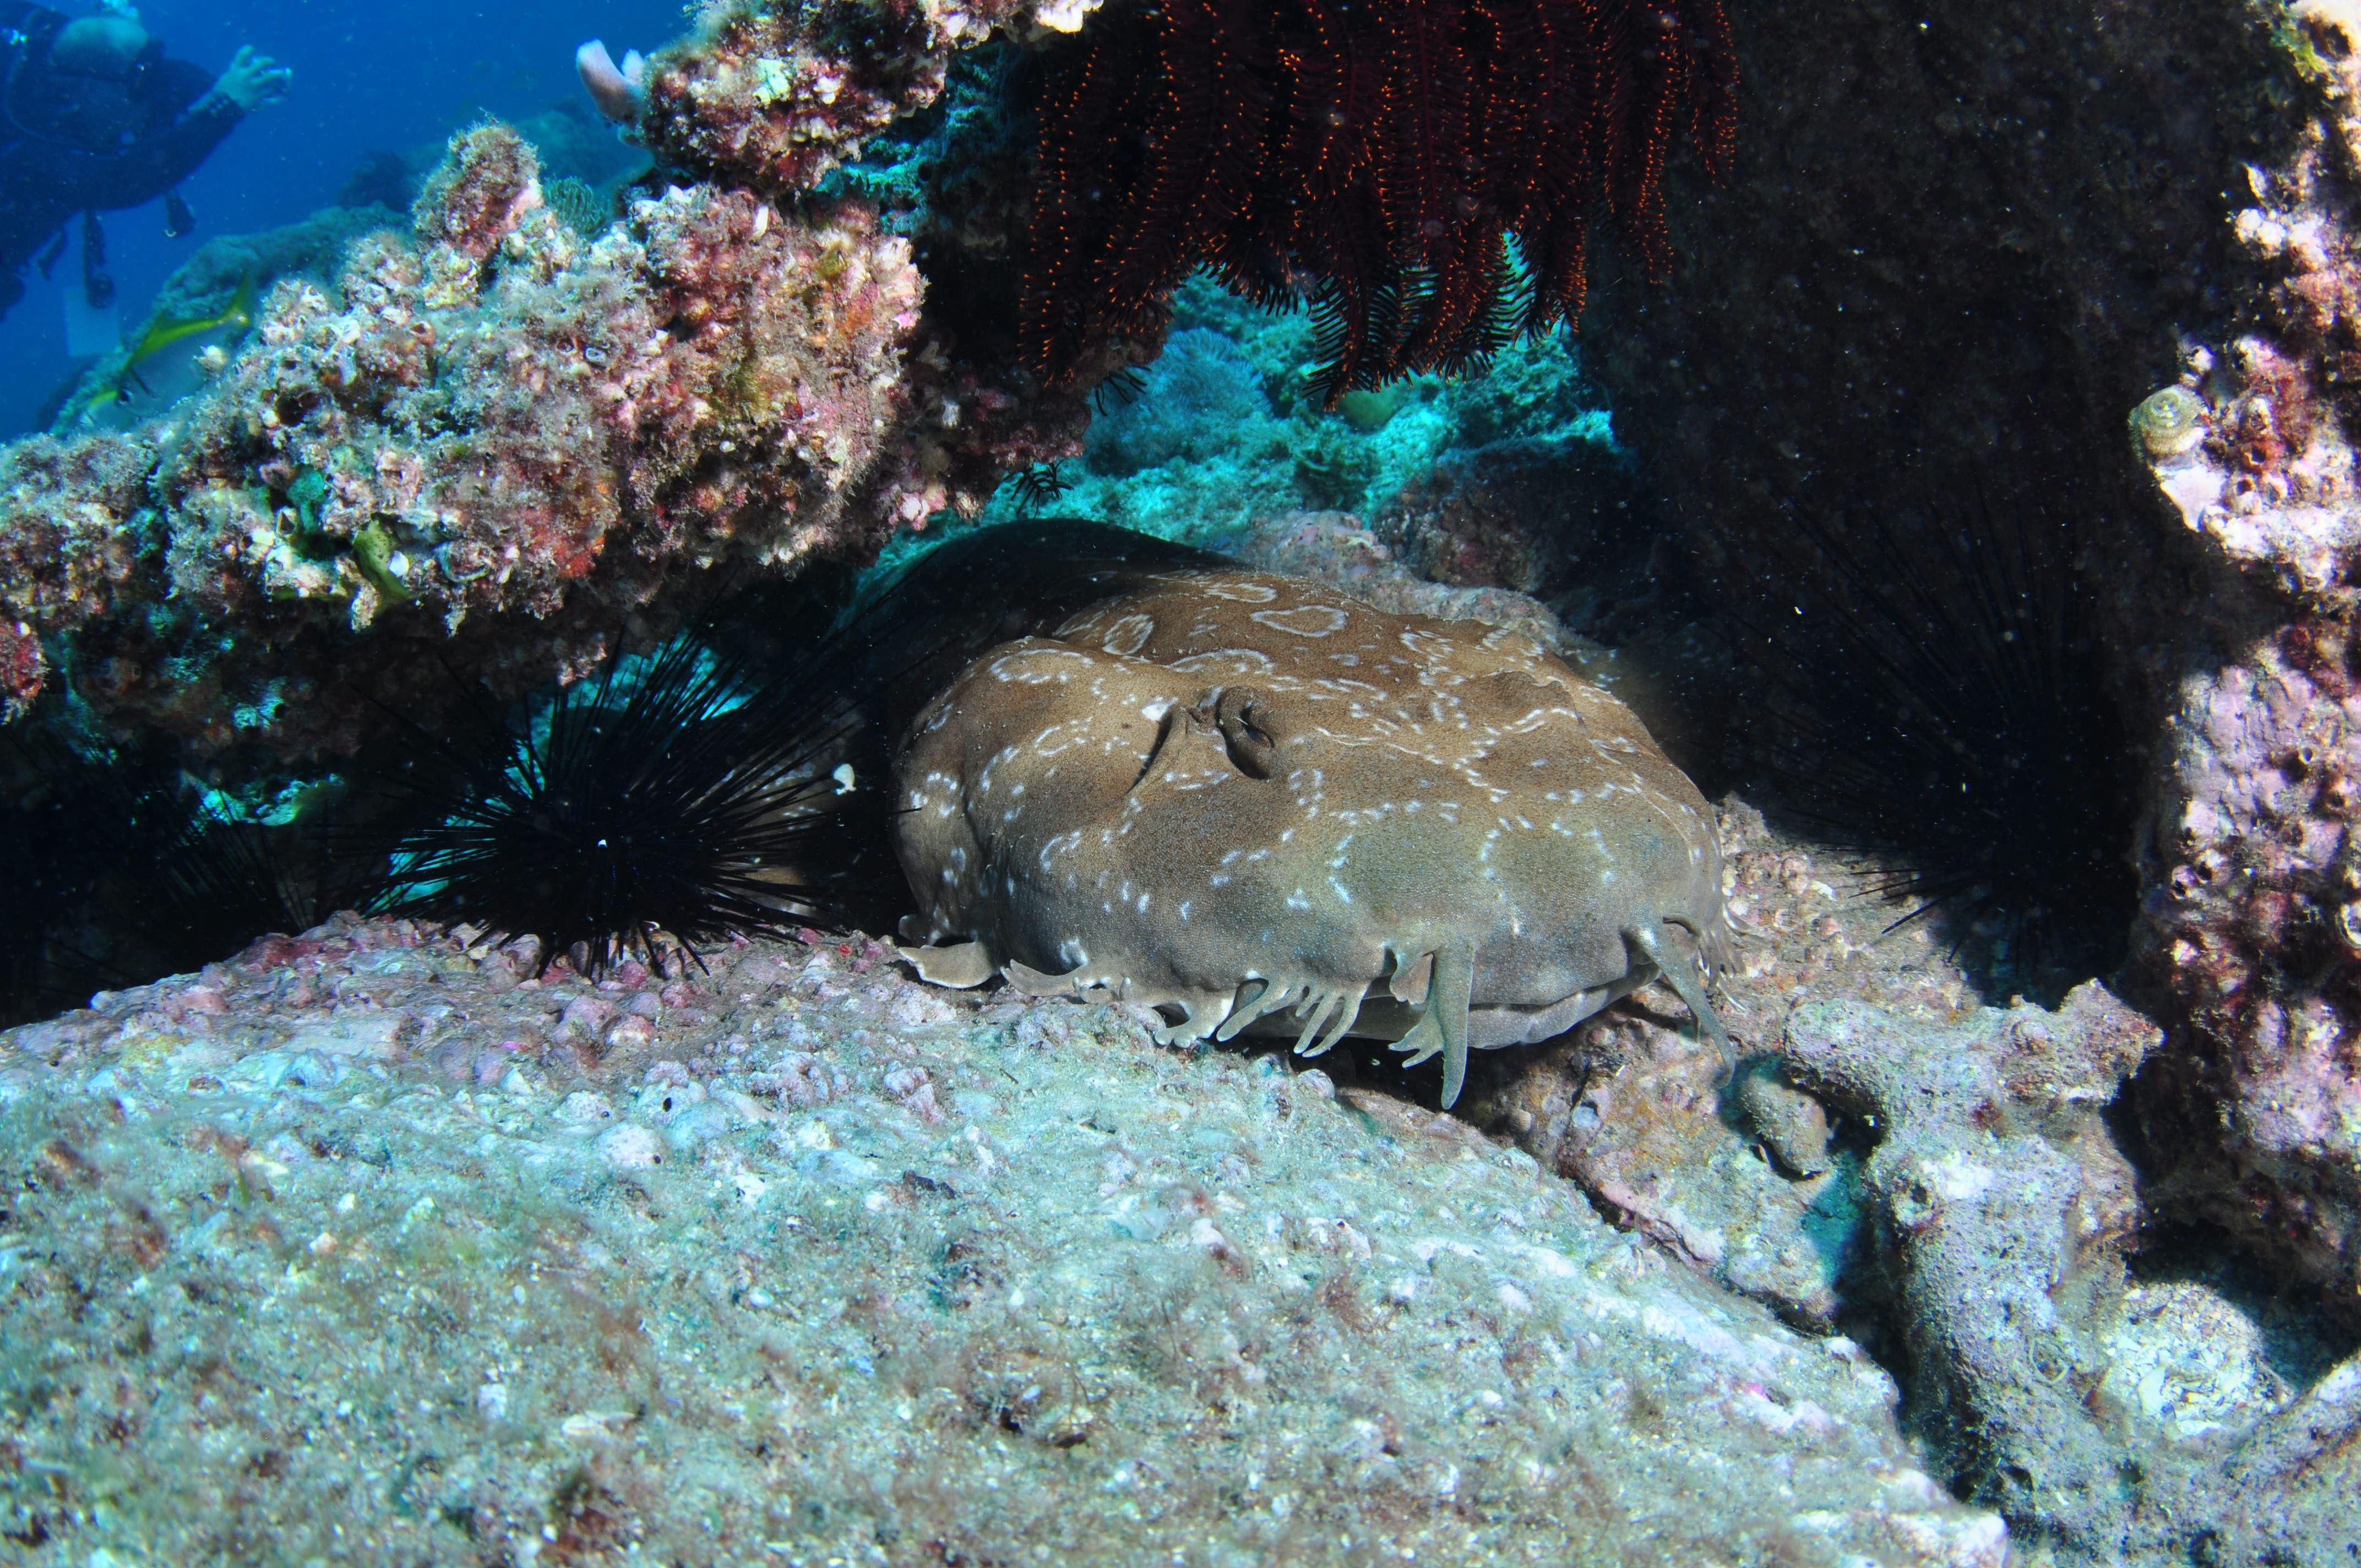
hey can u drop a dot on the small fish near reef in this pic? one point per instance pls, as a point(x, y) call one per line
point(1242, 797)
point(115, 383)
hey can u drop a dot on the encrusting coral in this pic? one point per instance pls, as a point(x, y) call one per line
point(773, 97)
point(76, 535)
point(503, 419)
point(2250, 939)
point(901, 105)
point(1424, 174)
point(500, 415)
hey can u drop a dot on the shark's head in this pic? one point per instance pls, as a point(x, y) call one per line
point(1237, 793)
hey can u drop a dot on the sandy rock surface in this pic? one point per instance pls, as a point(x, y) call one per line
point(370, 1247)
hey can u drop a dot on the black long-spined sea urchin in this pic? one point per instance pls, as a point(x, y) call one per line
point(730, 780)
point(1936, 704)
point(671, 799)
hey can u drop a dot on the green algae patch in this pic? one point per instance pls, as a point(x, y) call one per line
point(378, 558)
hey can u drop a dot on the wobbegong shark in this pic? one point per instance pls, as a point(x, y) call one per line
point(1254, 802)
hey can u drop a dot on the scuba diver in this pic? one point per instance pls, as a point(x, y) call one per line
point(93, 116)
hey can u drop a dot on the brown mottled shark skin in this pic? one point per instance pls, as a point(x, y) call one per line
point(1241, 795)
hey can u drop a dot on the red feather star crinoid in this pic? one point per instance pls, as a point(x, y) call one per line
point(1424, 172)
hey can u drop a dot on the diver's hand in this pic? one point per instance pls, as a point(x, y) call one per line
point(252, 80)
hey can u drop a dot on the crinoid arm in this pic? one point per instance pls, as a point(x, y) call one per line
point(1425, 176)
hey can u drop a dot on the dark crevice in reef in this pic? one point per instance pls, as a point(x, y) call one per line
point(949, 178)
point(120, 870)
point(1929, 688)
point(2300, 1335)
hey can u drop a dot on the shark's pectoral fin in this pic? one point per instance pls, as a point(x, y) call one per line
point(1445, 1026)
point(959, 967)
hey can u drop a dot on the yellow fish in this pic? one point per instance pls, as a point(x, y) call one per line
point(164, 330)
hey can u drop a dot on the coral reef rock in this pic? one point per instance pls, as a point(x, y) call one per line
point(373, 1241)
point(2252, 929)
point(773, 97)
point(2086, 217)
point(2001, 1209)
point(523, 419)
point(1630, 1106)
point(1943, 1181)
point(496, 419)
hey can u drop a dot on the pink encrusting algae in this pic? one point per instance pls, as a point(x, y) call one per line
point(493, 415)
point(493, 421)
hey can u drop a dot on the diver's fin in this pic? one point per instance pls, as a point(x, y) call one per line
point(1445, 1026)
point(964, 966)
point(1681, 972)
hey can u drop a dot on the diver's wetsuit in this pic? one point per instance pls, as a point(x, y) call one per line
point(71, 143)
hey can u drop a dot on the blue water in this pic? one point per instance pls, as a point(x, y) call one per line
point(397, 75)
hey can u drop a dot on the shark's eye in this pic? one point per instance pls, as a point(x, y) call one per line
point(1243, 715)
